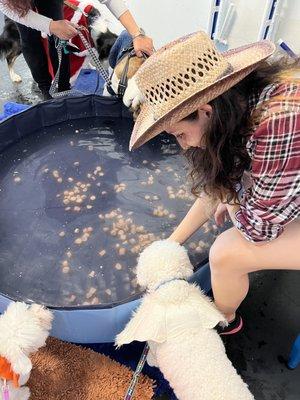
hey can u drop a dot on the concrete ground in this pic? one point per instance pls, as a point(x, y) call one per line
point(24, 92)
point(271, 310)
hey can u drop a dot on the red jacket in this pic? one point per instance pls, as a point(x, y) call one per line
point(81, 59)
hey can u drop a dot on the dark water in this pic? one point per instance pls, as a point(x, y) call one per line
point(76, 209)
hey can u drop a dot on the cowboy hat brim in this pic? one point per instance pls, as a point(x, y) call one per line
point(243, 60)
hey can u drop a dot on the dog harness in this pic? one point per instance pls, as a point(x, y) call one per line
point(126, 52)
point(129, 53)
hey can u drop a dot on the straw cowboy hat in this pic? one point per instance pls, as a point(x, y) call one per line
point(186, 74)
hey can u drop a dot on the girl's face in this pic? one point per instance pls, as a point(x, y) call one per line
point(190, 132)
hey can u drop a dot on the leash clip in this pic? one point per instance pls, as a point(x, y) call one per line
point(69, 47)
point(137, 373)
point(5, 391)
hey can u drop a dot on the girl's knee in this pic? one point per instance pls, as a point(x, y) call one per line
point(220, 254)
point(230, 253)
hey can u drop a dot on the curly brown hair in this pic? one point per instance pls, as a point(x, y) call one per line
point(218, 168)
point(21, 7)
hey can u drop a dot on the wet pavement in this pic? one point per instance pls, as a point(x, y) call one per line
point(271, 310)
point(25, 92)
point(271, 315)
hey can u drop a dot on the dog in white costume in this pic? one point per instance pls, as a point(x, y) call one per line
point(177, 320)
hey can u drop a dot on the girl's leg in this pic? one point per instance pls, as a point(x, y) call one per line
point(232, 257)
point(54, 9)
point(35, 57)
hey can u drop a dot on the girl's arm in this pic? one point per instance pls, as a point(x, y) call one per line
point(31, 19)
point(199, 213)
point(141, 42)
point(63, 29)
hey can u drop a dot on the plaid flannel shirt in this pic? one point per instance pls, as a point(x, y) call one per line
point(273, 200)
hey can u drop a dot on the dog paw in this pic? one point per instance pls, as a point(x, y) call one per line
point(151, 360)
point(23, 393)
point(16, 78)
point(133, 98)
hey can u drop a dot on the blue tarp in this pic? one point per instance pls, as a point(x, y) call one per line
point(11, 108)
point(88, 82)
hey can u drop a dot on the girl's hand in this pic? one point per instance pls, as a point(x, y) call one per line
point(221, 214)
point(63, 29)
point(143, 44)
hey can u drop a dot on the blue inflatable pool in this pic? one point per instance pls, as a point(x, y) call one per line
point(76, 209)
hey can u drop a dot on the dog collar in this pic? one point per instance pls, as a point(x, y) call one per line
point(168, 281)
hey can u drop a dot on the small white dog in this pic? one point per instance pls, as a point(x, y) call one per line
point(177, 320)
point(23, 330)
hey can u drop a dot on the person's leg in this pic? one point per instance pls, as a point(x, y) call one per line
point(35, 57)
point(54, 9)
point(232, 257)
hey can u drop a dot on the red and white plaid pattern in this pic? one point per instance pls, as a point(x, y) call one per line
point(273, 200)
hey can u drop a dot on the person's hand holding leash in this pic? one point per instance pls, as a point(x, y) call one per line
point(143, 44)
point(63, 29)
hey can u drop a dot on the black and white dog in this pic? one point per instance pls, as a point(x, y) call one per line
point(10, 47)
point(10, 43)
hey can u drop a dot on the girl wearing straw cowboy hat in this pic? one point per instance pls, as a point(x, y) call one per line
point(238, 120)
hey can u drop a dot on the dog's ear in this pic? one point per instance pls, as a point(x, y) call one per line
point(44, 315)
point(147, 323)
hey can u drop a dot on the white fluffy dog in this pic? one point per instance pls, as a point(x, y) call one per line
point(177, 320)
point(23, 330)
